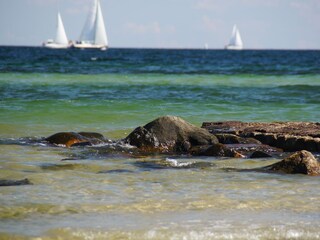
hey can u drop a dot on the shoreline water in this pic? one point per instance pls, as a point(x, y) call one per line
point(43, 92)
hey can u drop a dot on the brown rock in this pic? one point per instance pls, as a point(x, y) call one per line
point(216, 150)
point(71, 139)
point(226, 138)
point(66, 138)
point(289, 136)
point(169, 134)
point(302, 162)
point(92, 135)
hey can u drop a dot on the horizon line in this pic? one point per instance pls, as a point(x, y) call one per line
point(182, 48)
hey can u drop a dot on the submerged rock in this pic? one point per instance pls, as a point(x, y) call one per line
point(169, 134)
point(6, 183)
point(302, 162)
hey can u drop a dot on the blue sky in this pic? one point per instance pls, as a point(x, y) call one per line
point(263, 24)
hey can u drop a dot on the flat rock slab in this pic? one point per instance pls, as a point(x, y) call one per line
point(289, 136)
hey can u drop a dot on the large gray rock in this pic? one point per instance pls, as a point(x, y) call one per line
point(302, 162)
point(169, 134)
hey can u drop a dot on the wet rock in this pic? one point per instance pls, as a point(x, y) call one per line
point(234, 139)
point(6, 183)
point(302, 162)
point(289, 136)
point(169, 134)
point(92, 135)
point(81, 144)
point(66, 138)
point(70, 139)
point(216, 150)
point(248, 149)
point(260, 154)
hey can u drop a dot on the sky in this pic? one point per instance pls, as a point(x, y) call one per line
point(263, 24)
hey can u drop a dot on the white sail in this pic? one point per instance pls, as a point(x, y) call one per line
point(61, 36)
point(235, 42)
point(61, 40)
point(94, 32)
point(100, 34)
point(88, 31)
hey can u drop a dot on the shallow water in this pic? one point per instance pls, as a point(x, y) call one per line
point(102, 193)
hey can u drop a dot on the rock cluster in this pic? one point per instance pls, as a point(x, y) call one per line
point(173, 135)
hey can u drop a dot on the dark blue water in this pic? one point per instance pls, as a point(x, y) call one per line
point(162, 61)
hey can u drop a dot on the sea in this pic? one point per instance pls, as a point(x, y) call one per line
point(98, 192)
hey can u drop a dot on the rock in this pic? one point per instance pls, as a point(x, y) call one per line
point(216, 150)
point(66, 138)
point(248, 149)
point(6, 183)
point(302, 162)
point(169, 134)
point(92, 135)
point(260, 154)
point(71, 139)
point(234, 139)
point(289, 136)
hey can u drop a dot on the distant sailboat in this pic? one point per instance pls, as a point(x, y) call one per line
point(61, 40)
point(235, 40)
point(94, 32)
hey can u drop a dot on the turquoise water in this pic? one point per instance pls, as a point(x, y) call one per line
point(47, 103)
point(99, 193)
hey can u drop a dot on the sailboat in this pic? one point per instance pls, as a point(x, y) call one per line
point(61, 40)
point(235, 42)
point(94, 33)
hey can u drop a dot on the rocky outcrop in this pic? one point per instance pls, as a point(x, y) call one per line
point(289, 136)
point(71, 139)
point(302, 162)
point(169, 134)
